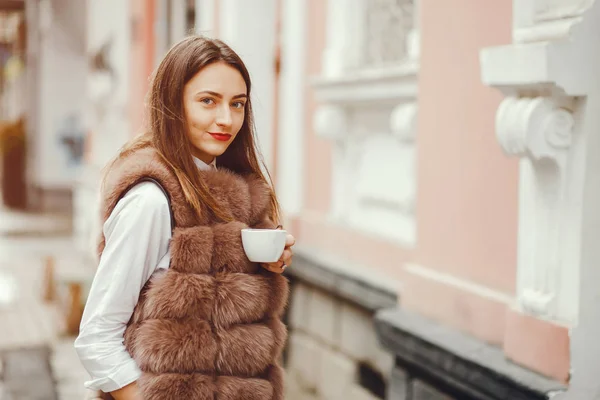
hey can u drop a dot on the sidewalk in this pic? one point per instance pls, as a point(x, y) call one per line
point(31, 329)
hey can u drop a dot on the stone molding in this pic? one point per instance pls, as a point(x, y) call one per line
point(342, 279)
point(463, 367)
point(549, 120)
point(537, 127)
point(371, 120)
point(539, 122)
point(389, 85)
point(540, 130)
point(367, 108)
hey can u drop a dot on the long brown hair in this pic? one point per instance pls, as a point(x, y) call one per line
point(167, 126)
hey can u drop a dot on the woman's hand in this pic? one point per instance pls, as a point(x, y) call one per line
point(286, 258)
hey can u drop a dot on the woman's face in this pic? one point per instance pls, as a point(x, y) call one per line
point(214, 103)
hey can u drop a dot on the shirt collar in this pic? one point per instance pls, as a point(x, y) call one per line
point(202, 166)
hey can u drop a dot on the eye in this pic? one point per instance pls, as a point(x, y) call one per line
point(238, 104)
point(207, 101)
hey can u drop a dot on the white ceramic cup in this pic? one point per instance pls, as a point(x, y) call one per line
point(263, 245)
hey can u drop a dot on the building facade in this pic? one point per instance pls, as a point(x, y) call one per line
point(434, 161)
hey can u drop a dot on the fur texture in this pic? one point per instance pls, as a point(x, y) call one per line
point(209, 327)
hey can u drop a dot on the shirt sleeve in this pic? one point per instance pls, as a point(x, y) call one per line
point(137, 236)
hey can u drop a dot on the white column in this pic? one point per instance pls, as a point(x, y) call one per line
point(108, 33)
point(550, 120)
point(345, 38)
point(109, 29)
point(249, 28)
point(413, 40)
point(541, 130)
point(178, 21)
point(205, 17)
point(62, 82)
point(161, 30)
point(292, 127)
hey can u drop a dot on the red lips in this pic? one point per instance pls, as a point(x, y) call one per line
point(222, 137)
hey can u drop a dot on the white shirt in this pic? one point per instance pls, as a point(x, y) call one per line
point(137, 233)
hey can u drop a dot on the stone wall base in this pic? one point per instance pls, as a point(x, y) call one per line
point(349, 340)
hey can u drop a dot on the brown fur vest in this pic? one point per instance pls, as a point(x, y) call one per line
point(209, 327)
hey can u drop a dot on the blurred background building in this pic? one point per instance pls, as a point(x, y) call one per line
point(436, 160)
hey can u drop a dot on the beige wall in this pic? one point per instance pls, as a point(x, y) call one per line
point(467, 189)
point(462, 271)
point(467, 192)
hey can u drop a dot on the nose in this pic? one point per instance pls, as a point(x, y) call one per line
point(224, 116)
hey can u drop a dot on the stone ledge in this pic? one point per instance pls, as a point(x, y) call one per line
point(343, 279)
point(465, 367)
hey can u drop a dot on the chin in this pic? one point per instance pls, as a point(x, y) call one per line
point(214, 150)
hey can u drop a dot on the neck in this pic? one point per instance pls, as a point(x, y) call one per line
point(205, 158)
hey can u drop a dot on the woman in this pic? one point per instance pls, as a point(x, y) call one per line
point(176, 310)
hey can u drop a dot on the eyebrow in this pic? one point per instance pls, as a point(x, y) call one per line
point(220, 96)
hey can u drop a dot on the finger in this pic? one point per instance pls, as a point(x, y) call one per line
point(274, 267)
point(286, 256)
point(277, 269)
point(290, 240)
point(287, 262)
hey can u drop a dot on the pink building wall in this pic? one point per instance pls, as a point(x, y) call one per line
point(462, 271)
point(467, 192)
point(467, 189)
point(467, 208)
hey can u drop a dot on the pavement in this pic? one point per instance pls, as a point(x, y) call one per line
point(37, 361)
